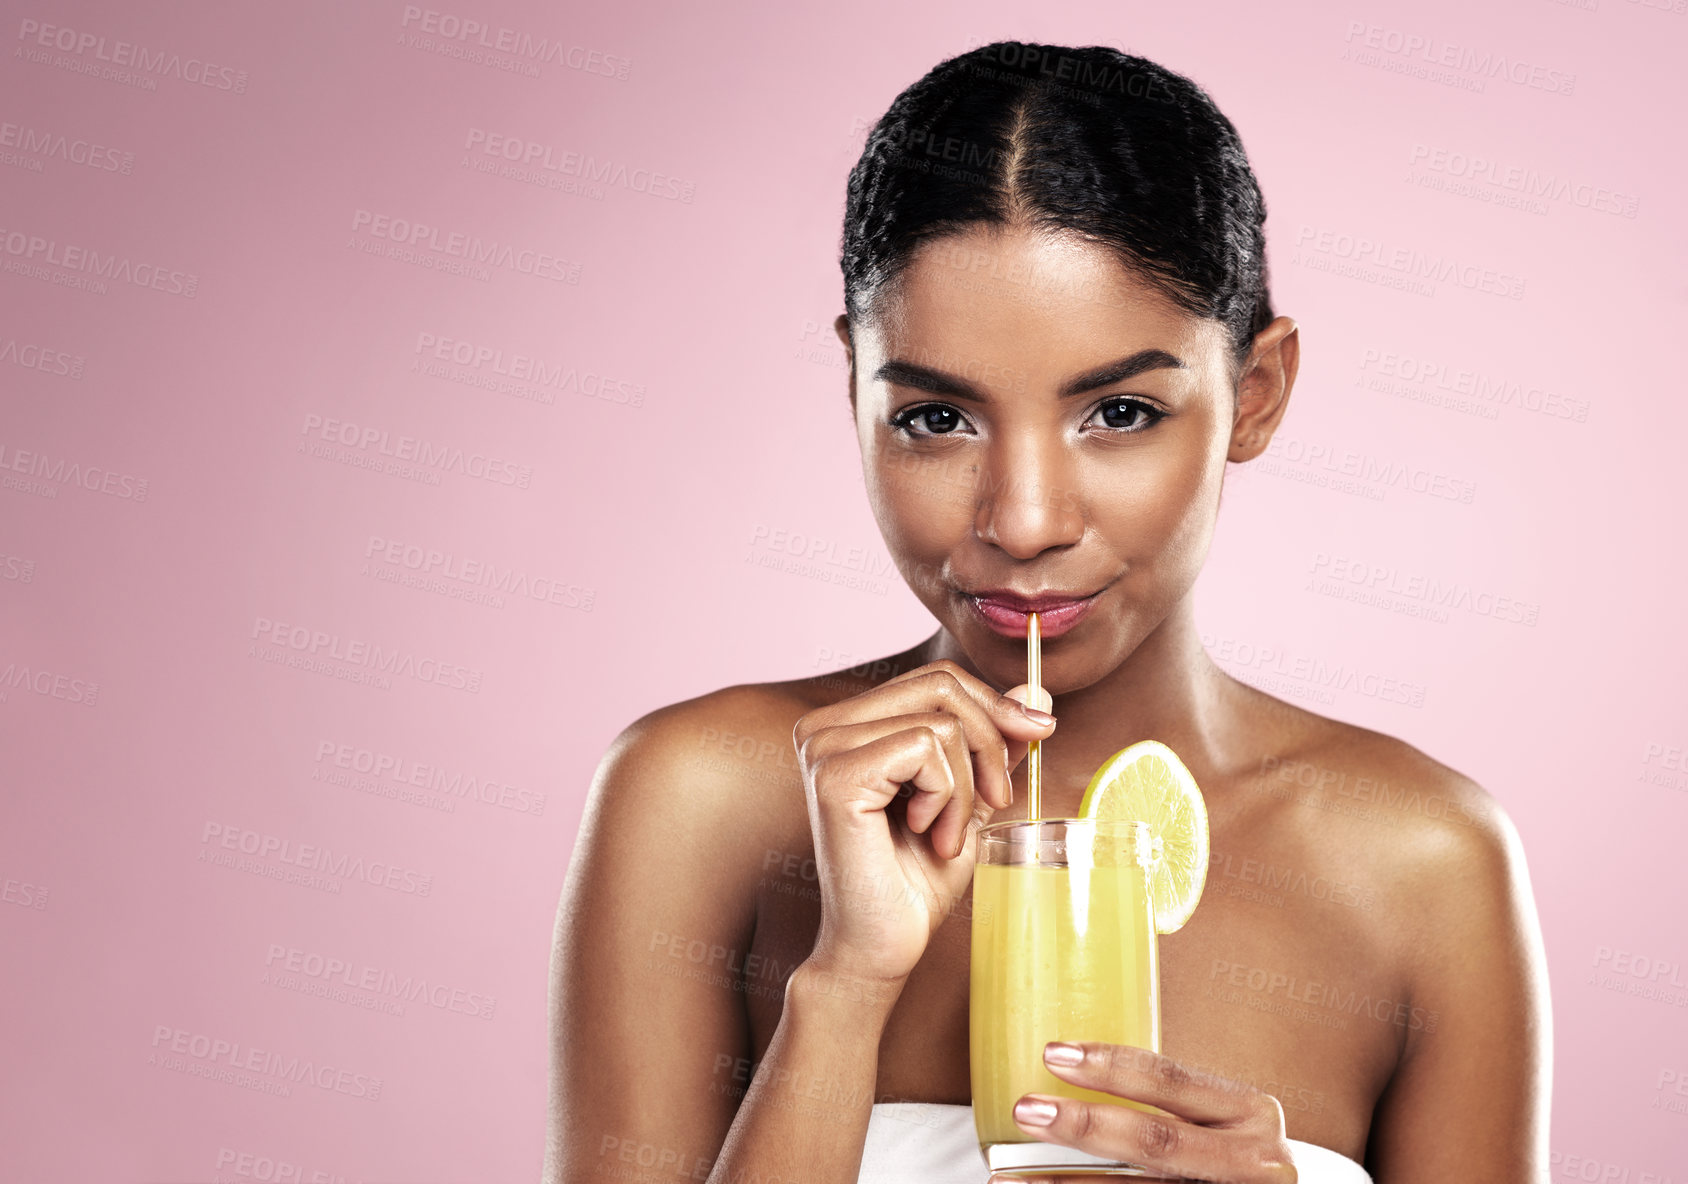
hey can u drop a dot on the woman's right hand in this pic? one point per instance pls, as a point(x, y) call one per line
point(898, 780)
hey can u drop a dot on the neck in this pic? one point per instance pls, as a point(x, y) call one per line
point(1168, 689)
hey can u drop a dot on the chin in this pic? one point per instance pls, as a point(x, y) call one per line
point(1058, 680)
point(1071, 662)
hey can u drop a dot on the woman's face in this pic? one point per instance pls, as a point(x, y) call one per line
point(1040, 429)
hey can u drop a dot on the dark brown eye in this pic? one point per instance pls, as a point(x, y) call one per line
point(1127, 415)
point(928, 419)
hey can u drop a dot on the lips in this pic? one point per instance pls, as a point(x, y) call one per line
point(1009, 613)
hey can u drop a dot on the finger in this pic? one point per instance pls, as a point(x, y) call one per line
point(1079, 1176)
point(945, 817)
point(1017, 749)
point(863, 779)
point(938, 687)
point(1022, 694)
point(1000, 708)
point(1145, 1076)
point(1160, 1142)
point(949, 832)
point(997, 726)
point(951, 812)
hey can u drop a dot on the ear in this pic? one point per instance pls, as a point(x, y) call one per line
point(1263, 387)
point(842, 327)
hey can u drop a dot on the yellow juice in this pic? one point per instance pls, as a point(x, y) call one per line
point(1059, 953)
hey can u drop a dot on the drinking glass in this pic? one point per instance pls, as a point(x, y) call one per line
point(1063, 949)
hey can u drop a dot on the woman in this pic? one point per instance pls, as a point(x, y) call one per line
point(1059, 334)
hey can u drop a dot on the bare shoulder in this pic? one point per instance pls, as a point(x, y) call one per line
point(1439, 853)
point(725, 759)
point(726, 734)
point(685, 739)
point(715, 753)
point(1452, 927)
point(656, 921)
point(1401, 806)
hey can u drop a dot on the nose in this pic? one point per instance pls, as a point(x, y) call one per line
point(1028, 498)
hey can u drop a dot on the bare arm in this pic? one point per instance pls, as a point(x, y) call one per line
point(650, 1032)
point(1469, 1100)
point(654, 913)
point(650, 968)
point(805, 1116)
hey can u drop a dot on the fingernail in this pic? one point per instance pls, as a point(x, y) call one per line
point(1058, 1052)
point(1034, 1112)
point(1036, 716)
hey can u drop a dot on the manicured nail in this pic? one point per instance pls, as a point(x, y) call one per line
point(1036, 716)
point(1034, 1112)
point(1058, 1052)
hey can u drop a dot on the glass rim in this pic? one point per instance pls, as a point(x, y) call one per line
point(1067, 842)
point(1009, 824)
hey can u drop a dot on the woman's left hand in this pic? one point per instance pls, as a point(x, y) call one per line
point(1214, 1128)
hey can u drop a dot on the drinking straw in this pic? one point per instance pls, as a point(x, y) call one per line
point(1034, 755)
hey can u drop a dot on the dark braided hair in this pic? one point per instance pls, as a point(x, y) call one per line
point(1090, 140)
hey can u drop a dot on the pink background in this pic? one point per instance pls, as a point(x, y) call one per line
point(681, 507)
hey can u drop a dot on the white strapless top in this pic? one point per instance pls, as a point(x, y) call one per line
point(936, 1143)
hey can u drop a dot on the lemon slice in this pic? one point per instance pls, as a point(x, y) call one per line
point(1148, 783)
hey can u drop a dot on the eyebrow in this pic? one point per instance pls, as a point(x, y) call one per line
point(939, 383)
